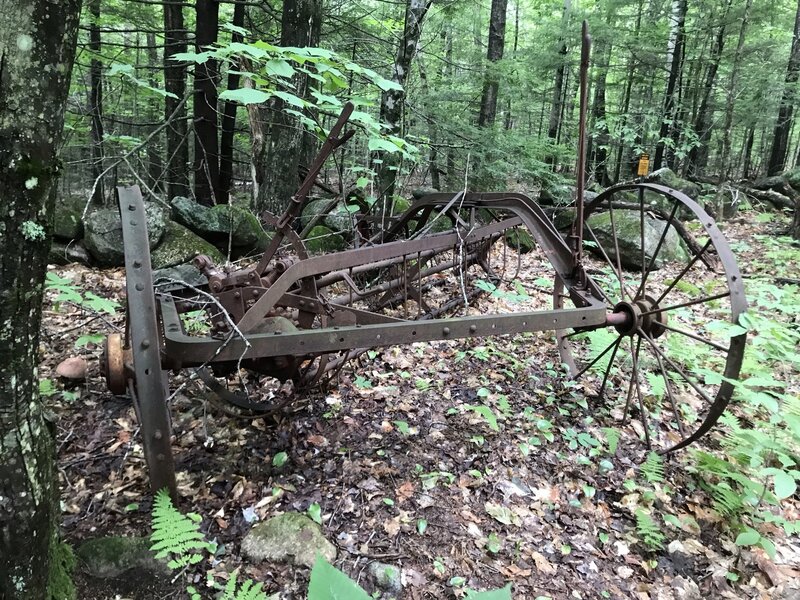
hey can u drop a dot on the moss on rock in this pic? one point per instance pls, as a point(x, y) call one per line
point(290, 537)
point(181, 245)
point(321, 239)
point(111, 556)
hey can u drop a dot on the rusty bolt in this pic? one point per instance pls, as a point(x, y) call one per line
point(131, 207)
point(137, 264)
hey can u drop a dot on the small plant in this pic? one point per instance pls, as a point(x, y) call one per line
point(648, 530)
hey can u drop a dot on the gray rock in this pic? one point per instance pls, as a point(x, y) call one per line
point(67, 219)
point(628, 232)
point(217, 224)
point(667, 177)
point(322, 239)
point(290, 537)
point(557, 195)
point(111, 556)
point(385, 578)
point(180, 246)
point(62, 253)
point(103, 234)
point(338, 218)
point(520, 239)
point(423, 191)
point(186, 273)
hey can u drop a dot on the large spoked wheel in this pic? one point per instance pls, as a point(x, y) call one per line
point(149, 386)
point(678, 346)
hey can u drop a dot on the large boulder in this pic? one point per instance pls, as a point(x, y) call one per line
point(103, 235)
point(290, 537)
point(338, 218)
point(68, 219)
point(111, 556)
point(185, 273)
point(666, 176)
point(62, 253)
point(627, 226)
point(221, 224)
point(321, 240)
point(180, 246)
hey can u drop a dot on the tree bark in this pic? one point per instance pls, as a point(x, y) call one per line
point(698, 155)
point(556, 108)
point(287, 145)
point(206, 78)
point(96, 101)
point(780, 138)
point(177, 166)
point(229, 116)
point(599, 153)
point(155, 163)
point(491, 82)
point(393, 101)
point(676, 45)
point(37, 46)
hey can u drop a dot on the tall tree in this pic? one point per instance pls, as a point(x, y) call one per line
point(783, 126)
point(96, 99)
point(228, 123)
point(675, 52)
point(557, 106)
point(491, 82)
point(393, 100)
point(206, 135)
point(287, 146)
point(37, 46)
point(177, 169)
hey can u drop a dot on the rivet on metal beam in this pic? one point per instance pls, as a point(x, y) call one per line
point(137, 264)
point(131, 207)
point(446, 330)
point(145, 343)
point(157, 434)
point(473, 328)
point(139, 287)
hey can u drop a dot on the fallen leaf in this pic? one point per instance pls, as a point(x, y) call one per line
point(543, 565)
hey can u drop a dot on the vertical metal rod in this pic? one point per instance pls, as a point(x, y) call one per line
point(580, 169)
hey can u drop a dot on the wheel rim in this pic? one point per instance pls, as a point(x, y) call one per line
point(673, 359)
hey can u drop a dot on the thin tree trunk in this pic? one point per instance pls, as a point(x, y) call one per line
point(599, 151)
point(393, 101)
point(556, 108)
point(698, 155)
point(780, 141)
point(229, 117)
point(206, 77)
point(177, 167)
point(155, 165)
point(37, 46)
point(491, 83)
point(727, 128)
point(286, 144)
point(96, 101)
point(675, 52)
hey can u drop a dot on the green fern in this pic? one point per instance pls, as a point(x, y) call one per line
point(653, 468)
point(176, 536)
point(247, 591)
point(648, 530)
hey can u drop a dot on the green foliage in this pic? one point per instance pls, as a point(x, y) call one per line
point(176, 536)
point(648, 530)
point(69, 292)
point(653, 468)
point(328, 582)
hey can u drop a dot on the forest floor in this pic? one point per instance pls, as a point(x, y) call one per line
point(405, 475)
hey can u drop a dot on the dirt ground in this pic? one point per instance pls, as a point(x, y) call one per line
point(405, 474)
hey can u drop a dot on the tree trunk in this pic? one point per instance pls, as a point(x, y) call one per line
point(491, 83)
point(177, 169)
point(229, 116)
point(37, 46)
point(675, 48)
point(626, 97)
point(286, 144)
point(556, 109)
point(780, 138)
point(155, 164)
point(599, 153)
point(206, 78)
point(698, 155)
point(727, 128)
point(393, 101)
point(96, 101)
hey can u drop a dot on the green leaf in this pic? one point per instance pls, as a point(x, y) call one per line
point(749, 537)
point(291, 99)
point(422, 525)
point(280, 459)
point(315, 512)
point(376, 144)
point(197, 57)
point(486, 413)
point(329, 583)
point(501, 594)
point(245, 96)
point(279, 68)
point(785, 485)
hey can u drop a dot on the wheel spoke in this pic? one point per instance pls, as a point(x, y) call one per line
point(684, 271)
point(597, 358)
point(641, 289)
point(616, 250)
point(694, 336)
point(675, 367)
point(688, 303)
point(641, 238)
point(618, 272)
point(642, 410)
point(608, 367)
point(630, 384)
point(668, 388)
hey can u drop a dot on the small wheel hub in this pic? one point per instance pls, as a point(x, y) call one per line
point(643, 313)
point(112, 363)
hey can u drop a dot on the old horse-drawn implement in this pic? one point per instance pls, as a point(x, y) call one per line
point(296, 317)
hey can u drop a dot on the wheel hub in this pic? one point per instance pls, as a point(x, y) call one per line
point(112, 363)
point(643, 314)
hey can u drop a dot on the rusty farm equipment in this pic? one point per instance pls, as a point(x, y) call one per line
point(293, 316)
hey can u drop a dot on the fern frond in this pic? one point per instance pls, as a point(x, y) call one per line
point(726, 501)
point(175, 536)
point(653, 468)
point(247, 591)
point(648, 530)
